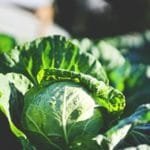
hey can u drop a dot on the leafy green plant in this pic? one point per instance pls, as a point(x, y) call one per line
point(7, 42)
point(56, 96)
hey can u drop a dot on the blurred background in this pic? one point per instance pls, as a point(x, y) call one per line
point(26, 19)
point(117, 32)
point(99, 18)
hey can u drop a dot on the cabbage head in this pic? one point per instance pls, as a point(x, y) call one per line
point(64, 107)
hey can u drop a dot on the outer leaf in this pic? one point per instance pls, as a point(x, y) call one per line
point(138, 135)
point(6, 43)
point(21, 83)
point(105, 96)
point(55, 52)
point(126, 126)
point(5, 91)
point(5, 96)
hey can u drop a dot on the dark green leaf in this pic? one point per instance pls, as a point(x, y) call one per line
point(55, 52)
point(120, 132)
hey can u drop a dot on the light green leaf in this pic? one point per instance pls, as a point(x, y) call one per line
point(5, 91)
point(5, 96)
point(7, 43)
point(21, 83)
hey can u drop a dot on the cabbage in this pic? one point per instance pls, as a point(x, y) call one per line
point(65, 106)
point(56, 96)
point(59, 113)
